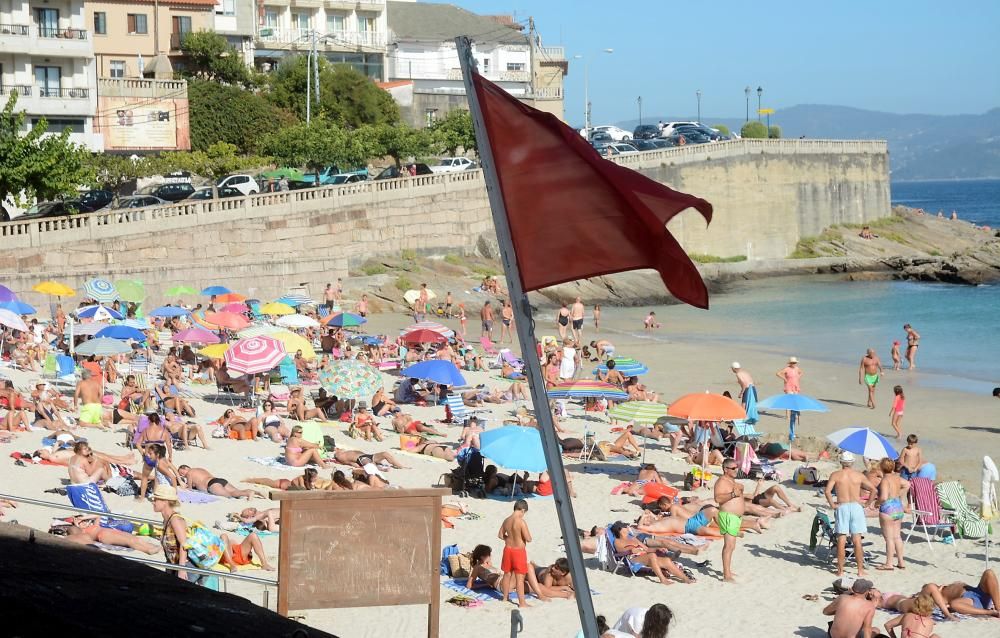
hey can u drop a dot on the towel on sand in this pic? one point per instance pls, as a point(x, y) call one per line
point(484, 593)
point(278, 462)
point(193, 496)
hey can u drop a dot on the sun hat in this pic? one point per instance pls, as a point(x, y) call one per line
point(862, 586)
point(846, 458)
point(793, 359)
point(736, 365)
point(165, 493)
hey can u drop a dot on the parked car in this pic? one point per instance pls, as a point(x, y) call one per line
point(51, 209)
point(328, 173)
point(624, 149)
point(348, 178)
point(661, 143)
point(95, 200)
point(646, 132)
point(205, 192)
point(139, 201)
point(243, 183)
point(602, 137)
point(644, 144)
point(392, 172)
point(713, 134)
point(669, 127)
point(617, 134)
point(453, 164)
point(690, 136)
point(169, 191)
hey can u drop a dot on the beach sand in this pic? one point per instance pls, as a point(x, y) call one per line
point(774, 570)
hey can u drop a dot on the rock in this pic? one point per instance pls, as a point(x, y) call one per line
point(488, 247)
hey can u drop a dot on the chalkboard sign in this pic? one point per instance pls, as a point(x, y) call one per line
point(360, 549)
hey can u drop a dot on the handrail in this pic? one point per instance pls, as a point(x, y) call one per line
point(70, 508)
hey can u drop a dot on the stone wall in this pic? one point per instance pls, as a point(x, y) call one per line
point(767, 194)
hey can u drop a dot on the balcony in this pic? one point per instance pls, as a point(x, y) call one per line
point(56, 42)
point(54, 102)
point(492, 76)
point(176, 39)
point(281, 38)
point(76, 94)
point(552, 53)
point(360, 5)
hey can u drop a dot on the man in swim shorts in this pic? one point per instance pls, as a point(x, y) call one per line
point(515, 536)
point(729, 496)
point(200, 479)
point(849, 513)
point(88, 398)
point(868, 374)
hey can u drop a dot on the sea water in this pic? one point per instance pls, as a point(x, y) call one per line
point(975, 200)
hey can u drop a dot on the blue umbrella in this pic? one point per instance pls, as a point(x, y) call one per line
point(796, 402)
point(6, 294)
point(863, 441)
point(514, 447)
point(436, 370)
point(138, 324)
point(347, 319)
point(627, 366)
point(169, 311)
point(215, 290)
point(121, 332)
point(99, 312)
point(18, 307)
point(100, 290)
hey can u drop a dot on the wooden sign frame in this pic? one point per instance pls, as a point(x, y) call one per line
point(422, 507)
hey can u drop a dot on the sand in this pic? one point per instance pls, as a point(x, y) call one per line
point(775, 569)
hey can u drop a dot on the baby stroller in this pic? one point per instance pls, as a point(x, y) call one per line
point(468, 478)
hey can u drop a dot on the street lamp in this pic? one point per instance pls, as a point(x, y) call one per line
point(746, 92)
point(760, 92)
point(639, 100)
point(698, 95)
point(586, 90)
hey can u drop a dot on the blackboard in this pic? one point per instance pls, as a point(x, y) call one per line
point(360, 549)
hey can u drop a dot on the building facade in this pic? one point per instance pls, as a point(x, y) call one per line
point(350, 32)
point(237, 21)
point(47, 60)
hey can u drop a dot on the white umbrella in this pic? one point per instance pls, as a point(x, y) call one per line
point(85, 329)
point(11, 320)
point(297, 321)
point(863, 441)
point(989, 495)
point(103, 346)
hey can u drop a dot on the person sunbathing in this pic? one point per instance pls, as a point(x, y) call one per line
point(647, 474)
point(201, 480)
point(132, 393)
point(696, 456)
point(86, 467)
point(553, 581)
point(297, 407)
point(240, 551)
point(239, 427)
point(954, 598)
point(678, 519)
point(543, 486)
point(640, 554)
point(369, 478)
point(638, 392)
point(437, 450)
point(185, 432)
point(267, 519)
point(299, 452)
point(483, 573)
point(340, 482)
point(773, 497)
point(626, 445)
point(62, 451)
point(304, 482)
point(916, 623)
point(87, 530)
point(172, 400)
point(364, 424)
point(404, 423)
point(360, 459)
point(271, 423)
point(382, 403)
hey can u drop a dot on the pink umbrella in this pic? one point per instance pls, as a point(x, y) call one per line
point(196, 335)
point(237, 306)
point(229, 320)
point(255, 354)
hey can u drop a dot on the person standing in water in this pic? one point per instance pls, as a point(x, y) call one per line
point(912, 341)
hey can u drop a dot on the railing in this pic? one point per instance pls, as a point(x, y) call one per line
point(20, 89)
point(14, 29)
point(68, 33)
point(71, 93)
point(303, 37)
point(733, 148)
point(552, 53)
point(495, 76)
point(135, 84)
point(547, 92)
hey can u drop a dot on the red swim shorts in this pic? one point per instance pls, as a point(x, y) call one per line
point(515, 560)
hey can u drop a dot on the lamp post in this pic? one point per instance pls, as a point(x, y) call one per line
point(639, 100)
point(698, 95)
point(586, 91)
point(746, 92)
point(760, 92)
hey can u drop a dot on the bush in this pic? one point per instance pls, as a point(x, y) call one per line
point(722, 128)
point(403, 284)
point(373, 268)
point(220, 113)
point(715, 259)
point(454, 260)
point(484, 271)
point(754, 130)
point(774, 132)
point(408, 254)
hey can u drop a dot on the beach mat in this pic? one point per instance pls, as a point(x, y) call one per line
point(278, 463)
point(195, 497)
point(420, 456)
point(484, 593)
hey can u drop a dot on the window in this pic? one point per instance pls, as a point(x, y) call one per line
point(515, 66)
point(430, 116)
point(117, 69)
point(486, 65)
point(301, 20)
point(270, 18)
point(226, 8)
point(48, 80)
point(182, 25)
point(366, 23)
point(100, 23)
point(48, 22)
point(57, 125)
point(137, 23)
point(336, 22)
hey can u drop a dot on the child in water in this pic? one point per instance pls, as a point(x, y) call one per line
point(896, 412)
point(650, 321)
point(897, 362)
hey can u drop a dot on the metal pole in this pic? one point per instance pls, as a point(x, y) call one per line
point(698, 95)
point(524, 325)
point(70, 508)
point(204, 572)
point(586, 98)
point(640, 110)
point(746, 92)
point(315, 67)
point(308, 87)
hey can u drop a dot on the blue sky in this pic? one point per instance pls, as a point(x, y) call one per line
point(916, 56)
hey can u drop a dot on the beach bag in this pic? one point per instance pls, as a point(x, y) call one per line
point(203, 546)
point(460, 565)
point(806, 475)
point(450, 550)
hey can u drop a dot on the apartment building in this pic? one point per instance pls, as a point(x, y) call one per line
point(237, 21)
point(349, 32)
point(47, 60)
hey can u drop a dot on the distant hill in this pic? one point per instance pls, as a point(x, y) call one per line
point(920, 146)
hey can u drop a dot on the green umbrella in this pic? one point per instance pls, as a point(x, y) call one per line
point(638, 411)
point(178, 291)
point(351, 379)
point(293, 174)
point(130, 290)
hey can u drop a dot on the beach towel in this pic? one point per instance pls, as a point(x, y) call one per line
point(88, 497)
point(485, 593)
point(750, 404)
point(195, 497)
point(420, 456)
point(506, 498)
point(278, 462)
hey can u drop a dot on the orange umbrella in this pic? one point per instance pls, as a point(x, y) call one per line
point(704, 406)
point(229, 297)
point(227, 320)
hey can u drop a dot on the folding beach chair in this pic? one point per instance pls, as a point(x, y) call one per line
point(926, 511)
point(507, 356)
point(968, 522)
point(455, 409)
point(88, 497)
point(614, 562)
point(823, 533)
point(745, 431)
point(289, 373)
point(488, 346)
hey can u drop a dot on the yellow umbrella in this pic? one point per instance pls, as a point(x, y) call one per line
point(276, 308)
point(214, 351)
point(293, 343)
point(55, 289)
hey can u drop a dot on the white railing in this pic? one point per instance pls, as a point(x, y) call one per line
point(303, 37)
point(733, 148)
point(552, 53)
point(493, 76)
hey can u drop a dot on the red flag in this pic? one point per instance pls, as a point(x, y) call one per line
point(575, 215)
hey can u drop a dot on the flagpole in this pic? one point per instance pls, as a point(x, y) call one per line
point(524, 324)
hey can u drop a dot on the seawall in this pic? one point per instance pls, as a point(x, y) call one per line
point(767, 194)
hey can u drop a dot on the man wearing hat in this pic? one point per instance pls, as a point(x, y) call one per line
point(790, 376)
point(748, 392)
point(849, 513)
point(853, 612)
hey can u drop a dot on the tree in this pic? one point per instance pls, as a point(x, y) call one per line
point(319, 144)
point(209, 56)
point(454, 131)
point(754, 130)
point(722, 128)
point(399, 141)
point(114, 171)
point(231, 114)
point(37, 165)
point(217, 161)
point(774, 132)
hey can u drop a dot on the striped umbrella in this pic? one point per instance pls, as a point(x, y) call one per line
point(296, 298)
point(254, 355)
point(18, 307)
point(433, 326)
point(863, 441)
point(351, 379)
point(101, 290)
point(99, 313)
point(85, 329)
point(130, 290)
point(297, 321)
point(12, 320)
point(627, 366)
point(344, 320)
point(584, 389)
point(258, 329)
point(103, 346)
point(638, 411)
point(196, 335)
point(276, 308)
point(138, 324)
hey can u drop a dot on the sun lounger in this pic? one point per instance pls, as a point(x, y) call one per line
point(613, 561)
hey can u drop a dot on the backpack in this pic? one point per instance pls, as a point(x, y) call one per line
point(203, 546)
point(806, 475)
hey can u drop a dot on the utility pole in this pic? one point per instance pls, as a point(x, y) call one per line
point(315, 67)
point(639, 100)
point(309, 88)
point(156, 29)
point(531, 55)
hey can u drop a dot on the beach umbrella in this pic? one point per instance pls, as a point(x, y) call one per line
point(214, 291)
point(626, 365)
point(130, 290)
point(229, 297)
point(351, 379)
point(445, 331)
point(411, 296)
point(514, 447)
point(424, 336)
point(100, 290)
point(297, 321)
point(99, 313)
point(291, 174)
point(237, 307)
point(344, 320)
point(214, 351)
point(12, 320)
point(296, 298)
point(639, 411)
point(254, 355)
point(863, 441)
point(436, 370)
point(705, 406)
point(227, 320)
point(123, 333)
point(85, 329)
point(54, 289)
point(293, 343)
point(277, 309)
point(196, 335)
point(6, 294)
point(138, 324)
point(795, 403)
point(18, 307)
point(988, 495)
point(258, 329)
point(103, 347)
point(178, 291)
point(584, 389)
point(169, 311)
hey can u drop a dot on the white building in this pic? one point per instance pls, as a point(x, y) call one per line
point(347, 32)
point(236, 20)
point(47, 59)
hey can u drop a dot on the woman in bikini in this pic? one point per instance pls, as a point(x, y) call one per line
point(891, 498)
point(156, 433)
point(551, 370)
point(297, 407)
point(404, 423)
point(917, 622)
point(381, 403)
point(155, 465)
point(299, 483)
point(360, 459)
point(437, 450)
point(271, 423)
point(553, 581)
point(299, 452)
point(364, 424)
point(238, 426)
point(483, 572)
point(642, 555)
point(340, 482)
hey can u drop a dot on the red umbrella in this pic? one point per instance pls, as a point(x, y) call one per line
point(703, 406)
point(227, 320)
point(424, 336)
point(196, 335)
point(254, 355)
point(229, 297)
point(235, 306)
